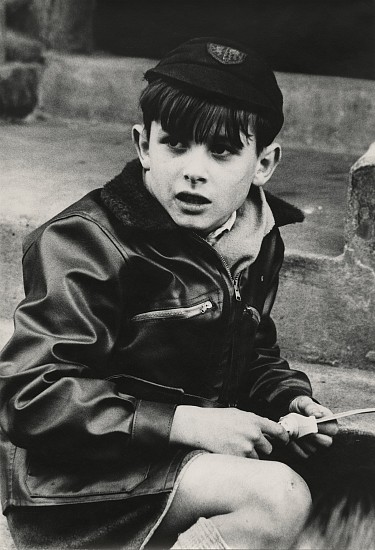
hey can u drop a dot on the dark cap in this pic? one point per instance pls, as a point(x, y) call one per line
point(225, 69)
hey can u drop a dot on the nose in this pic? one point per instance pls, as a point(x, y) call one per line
point(195, 167)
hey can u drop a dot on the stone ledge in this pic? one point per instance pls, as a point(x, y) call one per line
point(103, 89)
point(323, 113)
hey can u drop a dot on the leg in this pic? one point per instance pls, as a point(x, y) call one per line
point(252, 503)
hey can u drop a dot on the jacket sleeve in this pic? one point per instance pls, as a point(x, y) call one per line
point(272, 383)
point(54, 396)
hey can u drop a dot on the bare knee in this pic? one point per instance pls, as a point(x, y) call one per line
point(286, 499)
point(270, 513)
point(273, 486)
point(265, 502)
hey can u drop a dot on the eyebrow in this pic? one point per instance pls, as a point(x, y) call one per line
point(221, 137)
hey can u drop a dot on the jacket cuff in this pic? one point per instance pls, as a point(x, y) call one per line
point(152, 424)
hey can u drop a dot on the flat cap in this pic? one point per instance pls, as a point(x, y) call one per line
point(225, 69)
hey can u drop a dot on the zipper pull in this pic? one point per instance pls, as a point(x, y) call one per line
point(237, 289)
point(253, 312)
point(207, 305)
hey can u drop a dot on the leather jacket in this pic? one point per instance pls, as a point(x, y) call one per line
point(127, 315)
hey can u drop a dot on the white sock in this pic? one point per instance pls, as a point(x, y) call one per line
point(202, 535)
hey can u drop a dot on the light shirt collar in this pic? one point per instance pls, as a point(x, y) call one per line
point(214, 236)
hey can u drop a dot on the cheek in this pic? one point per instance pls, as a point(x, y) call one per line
point(236, 184)
point(162, 166)
point(240, 169)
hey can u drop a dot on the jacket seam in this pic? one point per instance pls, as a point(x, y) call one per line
point(170, 424)
point(135, 420)
point(86, 217)
point(12, 471)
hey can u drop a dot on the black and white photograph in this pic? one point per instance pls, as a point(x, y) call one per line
point(187, 274)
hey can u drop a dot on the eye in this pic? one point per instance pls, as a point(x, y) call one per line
point(174, 143)
point(222, 150)
point(219, 149)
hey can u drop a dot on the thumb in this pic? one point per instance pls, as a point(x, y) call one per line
point(306, 406)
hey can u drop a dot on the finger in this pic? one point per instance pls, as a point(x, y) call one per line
point(313, 409)
point(321, 440)
point(252, 454)
point(329, 428)
point(308, 446)
point(305, 405)
point(275, 430)
point(326, 411)
point(297, 450)
point(263, 446)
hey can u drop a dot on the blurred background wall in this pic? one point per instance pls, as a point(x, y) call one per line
point(326, 37)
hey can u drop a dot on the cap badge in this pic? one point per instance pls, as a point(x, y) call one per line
point(225, 54)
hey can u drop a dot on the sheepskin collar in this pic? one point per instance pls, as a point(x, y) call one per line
point(129, 200)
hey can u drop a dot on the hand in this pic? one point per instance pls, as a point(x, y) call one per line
point(309, 444)
point(225, 431)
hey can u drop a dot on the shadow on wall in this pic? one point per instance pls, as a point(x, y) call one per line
point(327, 37)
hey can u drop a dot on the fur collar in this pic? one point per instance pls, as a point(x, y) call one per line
point(129, 200)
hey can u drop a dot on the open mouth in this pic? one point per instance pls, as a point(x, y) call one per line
point(192, 198)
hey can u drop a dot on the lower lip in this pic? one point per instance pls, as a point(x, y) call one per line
point(192, 208)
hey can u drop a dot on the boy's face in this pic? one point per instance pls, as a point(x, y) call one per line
point(201, 185)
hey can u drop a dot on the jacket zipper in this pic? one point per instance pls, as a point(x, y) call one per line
point(236, 286)
point(232, 371)
point(174, 313)
point(237, 294)
point(235, 280)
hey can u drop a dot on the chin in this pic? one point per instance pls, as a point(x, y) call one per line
point(188, 222)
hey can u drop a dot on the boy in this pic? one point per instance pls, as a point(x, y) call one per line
point(143, 379)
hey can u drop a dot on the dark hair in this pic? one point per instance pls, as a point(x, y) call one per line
point(189, 115)
point(343, 516)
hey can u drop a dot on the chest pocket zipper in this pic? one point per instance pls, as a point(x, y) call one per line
point(175, 313)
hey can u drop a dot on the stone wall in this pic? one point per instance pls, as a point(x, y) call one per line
point(21, 59)
point(326, 306)
point(63, 25)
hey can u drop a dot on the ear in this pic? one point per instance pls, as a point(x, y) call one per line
point(141, 144)
point(268, 159)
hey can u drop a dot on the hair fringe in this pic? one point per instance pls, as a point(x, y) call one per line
point(195, 118)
